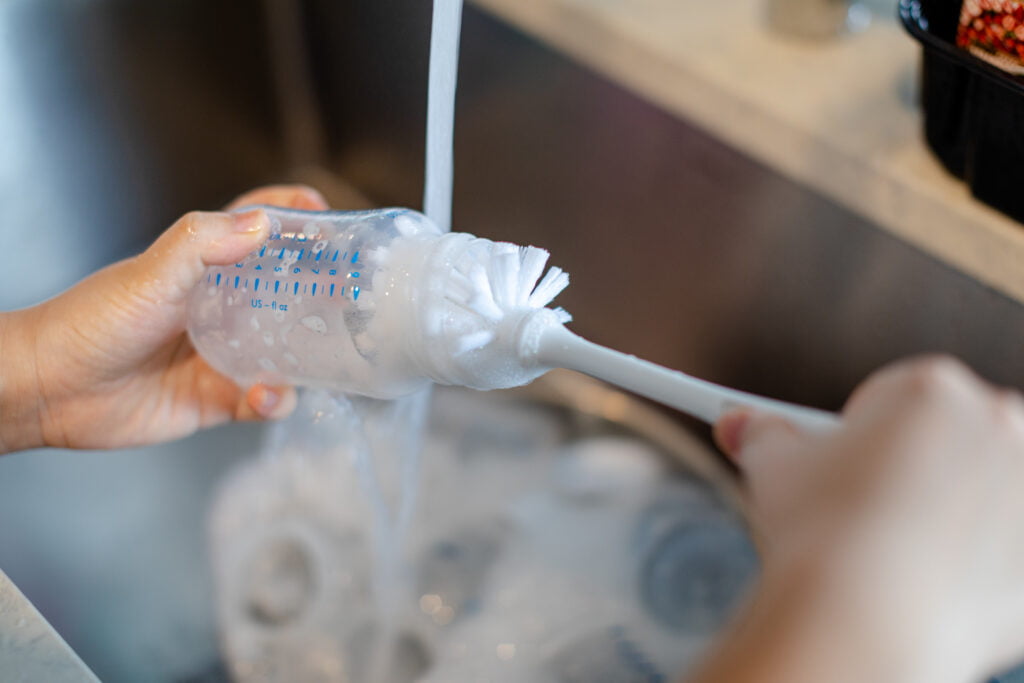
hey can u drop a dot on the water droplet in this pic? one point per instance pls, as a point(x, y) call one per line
point(431, 603)
point(315, 323)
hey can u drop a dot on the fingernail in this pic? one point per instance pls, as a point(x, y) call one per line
point(250, 221)
point(729, 432)
point(267, 400)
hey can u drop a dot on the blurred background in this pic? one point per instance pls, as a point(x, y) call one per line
point(117, 116)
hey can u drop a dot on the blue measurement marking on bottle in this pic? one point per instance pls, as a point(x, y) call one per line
point(355, 257)
point(301, 252)
point(277, 285)
point(237, 280)
point(218, 280)
point(295, 290)
point(280, 254)
point(332, 290)
point(319, 254)
point(354, 273)
point(355, 294)
point(335, 257)
point(256, 287)
point(263, 251)
point(313, 293)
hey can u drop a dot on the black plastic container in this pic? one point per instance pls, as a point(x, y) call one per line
point(973, 111)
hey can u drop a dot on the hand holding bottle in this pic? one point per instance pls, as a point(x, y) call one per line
point(107, 363)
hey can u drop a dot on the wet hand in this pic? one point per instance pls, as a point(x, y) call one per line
point(108, 364)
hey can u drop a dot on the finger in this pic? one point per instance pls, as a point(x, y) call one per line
point(766, 447)
point(263, 402)
point(728, 431)
point(773, 456)
point(176, 262)
point(289, 196)
point(245, 412)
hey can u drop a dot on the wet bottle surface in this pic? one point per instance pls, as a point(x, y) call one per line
point(302, 309)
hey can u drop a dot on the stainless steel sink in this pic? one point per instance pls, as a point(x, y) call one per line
point(120, 115)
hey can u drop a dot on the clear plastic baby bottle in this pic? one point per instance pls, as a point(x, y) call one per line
point(301, 310)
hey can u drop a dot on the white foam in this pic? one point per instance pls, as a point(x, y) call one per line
point(470, 302)
point(606, 466)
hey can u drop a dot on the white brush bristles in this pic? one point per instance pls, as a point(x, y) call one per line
point(531, 266)
point(494, 279)
point(551, 286)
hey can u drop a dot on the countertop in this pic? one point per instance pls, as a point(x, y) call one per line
point(840, 116)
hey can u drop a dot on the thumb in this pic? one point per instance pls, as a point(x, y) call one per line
point(175, 263)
